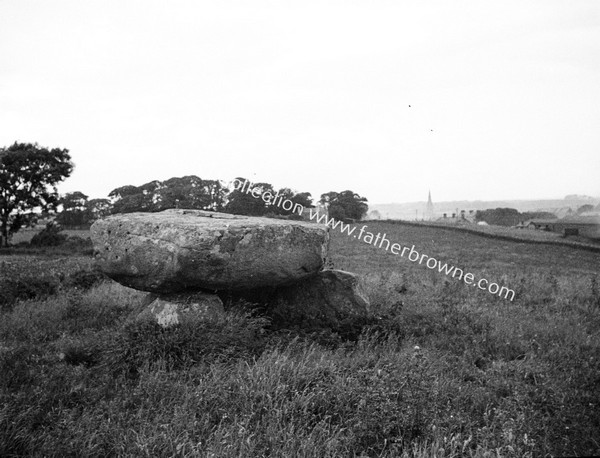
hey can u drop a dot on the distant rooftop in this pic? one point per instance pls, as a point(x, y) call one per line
point(593, 220)
point(542, 221)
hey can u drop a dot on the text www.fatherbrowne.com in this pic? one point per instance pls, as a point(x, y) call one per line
point(380, 241)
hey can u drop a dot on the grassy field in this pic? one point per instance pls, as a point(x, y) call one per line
point(448, 370)
point(510, 233)
point(25, 235)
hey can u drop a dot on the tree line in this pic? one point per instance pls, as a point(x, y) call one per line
point(29, 175)
point(512, 217)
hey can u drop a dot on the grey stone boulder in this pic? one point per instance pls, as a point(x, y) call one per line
point(173, 309)
point(179, 250)
point(328, 299)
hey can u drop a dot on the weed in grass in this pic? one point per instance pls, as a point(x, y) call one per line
point(595, 292)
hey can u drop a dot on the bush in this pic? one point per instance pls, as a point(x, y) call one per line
point(49, 236)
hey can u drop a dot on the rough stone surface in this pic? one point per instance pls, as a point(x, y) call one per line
point(327, 299)
point(178, 250)
point(169, 310)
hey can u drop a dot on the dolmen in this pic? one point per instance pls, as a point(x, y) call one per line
point(191, 262)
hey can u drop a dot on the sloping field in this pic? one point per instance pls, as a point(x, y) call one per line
point(510, 233)
point(461, 248)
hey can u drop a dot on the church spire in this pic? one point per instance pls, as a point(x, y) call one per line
point(429, 208)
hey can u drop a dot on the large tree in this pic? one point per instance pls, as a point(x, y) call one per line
point(98, 208)
point(74, 210)
point(192, 192)
point(177, 192)
point(242, 202)
point(129, 199)
point(301, 198)
point(29, 174)
point(499, 216)
point(345, 205)
point(126, 199)
point(585, 208)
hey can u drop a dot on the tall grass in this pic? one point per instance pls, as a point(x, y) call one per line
point(445, 372)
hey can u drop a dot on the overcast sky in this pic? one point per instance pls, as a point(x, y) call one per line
point(471, 99)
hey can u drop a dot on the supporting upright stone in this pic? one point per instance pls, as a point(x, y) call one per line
point(169, 310)
point(328, 299)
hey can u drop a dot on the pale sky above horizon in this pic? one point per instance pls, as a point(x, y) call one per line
point(314, 95)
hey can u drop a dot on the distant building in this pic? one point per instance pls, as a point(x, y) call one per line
point(461, 217)
point(541, 224)
point(586, 226)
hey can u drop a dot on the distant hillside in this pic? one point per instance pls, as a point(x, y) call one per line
point(415, 210)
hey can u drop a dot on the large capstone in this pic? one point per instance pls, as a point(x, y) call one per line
point(179, 250)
